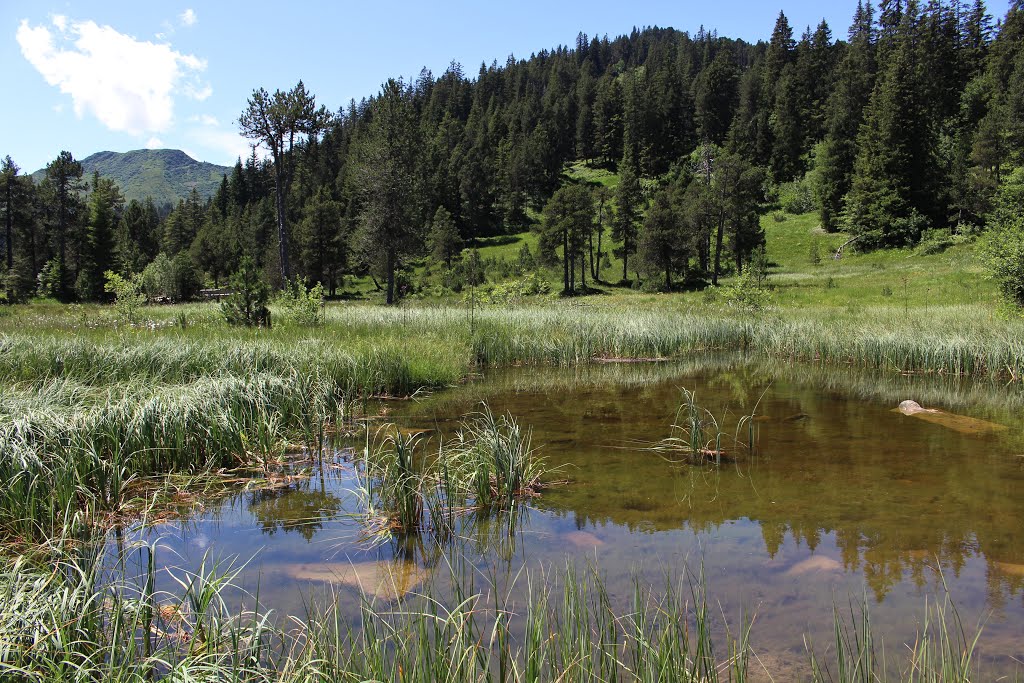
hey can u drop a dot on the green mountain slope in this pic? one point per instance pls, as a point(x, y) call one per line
point(166, 175)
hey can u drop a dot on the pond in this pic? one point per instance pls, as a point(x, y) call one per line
point(842, 500)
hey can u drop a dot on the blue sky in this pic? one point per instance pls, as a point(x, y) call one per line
point(121, 75)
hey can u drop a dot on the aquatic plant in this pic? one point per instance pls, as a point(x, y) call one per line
point(697, 434)
point(488, 465)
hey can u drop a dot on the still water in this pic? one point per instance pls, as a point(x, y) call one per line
point(843, 499)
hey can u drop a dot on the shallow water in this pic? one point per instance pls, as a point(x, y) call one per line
point(842, 498)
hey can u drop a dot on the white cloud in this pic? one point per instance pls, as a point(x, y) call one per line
point(228, 143)
point(128, 84)
point(188, 17)
point(204, 119)
point(154, 143)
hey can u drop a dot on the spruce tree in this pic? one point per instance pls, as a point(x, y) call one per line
point(661, 246)
point(890, 181)
point(443, 240)
point(846, 106)
point(390, 226)
point(628, 200)
point(60, 190)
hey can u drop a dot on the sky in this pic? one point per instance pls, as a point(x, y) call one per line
point(118, 75)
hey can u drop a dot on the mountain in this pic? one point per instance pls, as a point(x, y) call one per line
point(166, 175)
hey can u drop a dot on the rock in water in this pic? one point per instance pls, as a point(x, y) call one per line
point(814, 564)
point(383, 580)
point(960, 423)
point(582, 539)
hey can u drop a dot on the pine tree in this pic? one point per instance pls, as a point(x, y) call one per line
point(136, 241)
point(96, 250)
point(628, 199)
point(278, 122)
point(890, 183)
point(716, 98)
point(390, 226)
point(64, 207)
point(568, 220)
point(321, 239)
point(846, 106)
point(661, 246)
point(443, 240)
point(9, 195)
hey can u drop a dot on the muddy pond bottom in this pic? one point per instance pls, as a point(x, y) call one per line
point(844, 500)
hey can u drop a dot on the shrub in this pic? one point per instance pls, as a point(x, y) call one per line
point(128, 295)
point(305, 305)
point(797, 197)
point(51, 280)
point(745, 293)
point(1003, 248)
point(247, 303)
point(175, 280)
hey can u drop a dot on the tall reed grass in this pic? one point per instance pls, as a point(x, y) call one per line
point(489, 465)
point(64, 622)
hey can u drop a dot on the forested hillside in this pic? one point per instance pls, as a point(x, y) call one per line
point(914, 121)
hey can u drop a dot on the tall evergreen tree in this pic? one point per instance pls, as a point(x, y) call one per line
point(846, 106)
point(629, 206)
point(277, 122)
point(61, 189)
point(892, 183)
point(96, 251)
point(390, 224)
point(662, 247)
point(568, 223)
point(443, 240)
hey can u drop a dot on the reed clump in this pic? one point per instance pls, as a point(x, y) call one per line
point(489, 465)
point(697, 435)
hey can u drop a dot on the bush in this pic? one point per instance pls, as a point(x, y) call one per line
point(247, 303)
point(512, 291)
point(745, 293)
point(1003, 247)
point(51, 280)
point(797, 197)
point(174, 280)
point(128, 296)
point(305, 305)
point(938, 241)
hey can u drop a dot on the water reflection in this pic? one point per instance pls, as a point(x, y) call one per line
point(843, 496)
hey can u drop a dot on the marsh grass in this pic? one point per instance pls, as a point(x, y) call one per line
point(697, 434)
point(74, 619)
point(489, 466)
point(943, 650)
point(70, 454)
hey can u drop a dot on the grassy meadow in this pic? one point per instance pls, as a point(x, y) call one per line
point(97, 416)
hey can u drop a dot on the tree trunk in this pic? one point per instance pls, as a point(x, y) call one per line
point(625, 258)
point(600, 254)
point(391, 276)
point(565, 262)
point(10, 224)
point(593, 273)
point(583, 270)
point(718, 250)
point(282, 232)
